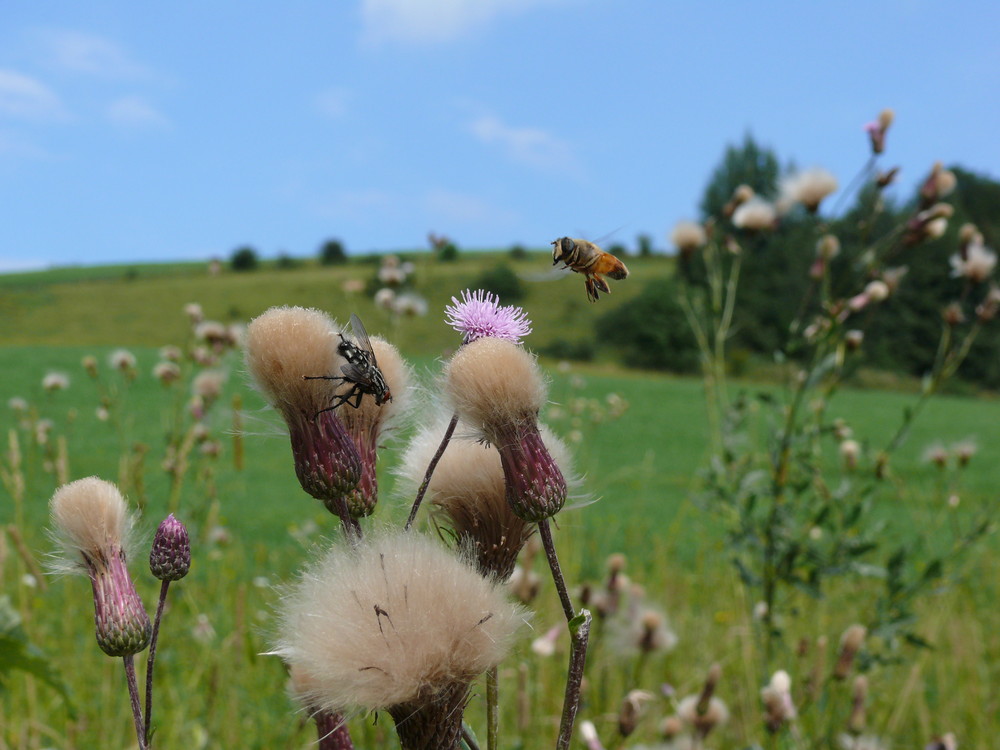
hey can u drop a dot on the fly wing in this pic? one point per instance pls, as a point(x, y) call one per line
point(360, 336)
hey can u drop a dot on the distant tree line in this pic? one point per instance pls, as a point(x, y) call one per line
point(651, 330)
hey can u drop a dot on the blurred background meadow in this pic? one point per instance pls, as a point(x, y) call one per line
point(774, 450)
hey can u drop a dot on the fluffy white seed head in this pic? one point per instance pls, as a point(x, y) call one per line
point(809, 187)
point(755, 215)
point(396, 618)
point(283, 345)
point(688, 236)
point(374, 417)
point(89, 517)
point(493, 382)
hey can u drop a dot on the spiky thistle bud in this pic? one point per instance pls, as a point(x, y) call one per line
point(170, 556)
point(498, 389)
point(91, 521)
point(284, 346)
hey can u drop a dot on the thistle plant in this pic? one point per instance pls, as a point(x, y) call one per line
point(93, 526)
point(793, 522)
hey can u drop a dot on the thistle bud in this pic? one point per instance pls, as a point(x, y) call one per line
point(170, 557)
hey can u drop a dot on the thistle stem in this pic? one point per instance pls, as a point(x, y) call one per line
point(430, 470)
point(580, 635)
point(579, 630)
point(492, 709)
point(332, 731)
point(545, 532)
point(151, 658)
point(133, 694)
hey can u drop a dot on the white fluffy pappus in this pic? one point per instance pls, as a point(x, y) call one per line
point(283, 344)
point(89, 517)
point(396, 618)
point(493, 382)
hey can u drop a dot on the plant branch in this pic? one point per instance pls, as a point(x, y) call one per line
point(430, 470)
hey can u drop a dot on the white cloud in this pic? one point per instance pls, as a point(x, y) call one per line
point(27, 97)
point(333, 102)
point(135, 112)
point(90, 54)
point(434, 20)
point(532, 146)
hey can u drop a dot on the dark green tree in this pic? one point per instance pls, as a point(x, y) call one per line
point(748, 164)
point(332, 253)
point(650, 330)
point(244, 259)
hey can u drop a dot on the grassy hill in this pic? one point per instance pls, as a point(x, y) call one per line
point(253, 526)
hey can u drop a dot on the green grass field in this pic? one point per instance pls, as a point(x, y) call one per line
point(215, 687)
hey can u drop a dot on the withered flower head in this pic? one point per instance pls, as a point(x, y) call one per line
point(498, 389)
point(396, 623)
point(284, 346)
point(91, 521)
point(370, 423)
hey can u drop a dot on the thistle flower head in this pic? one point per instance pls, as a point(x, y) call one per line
point(498, 390)
point(396, 620)
point(975, 263)
point(850, 643)
point(755, 215)
point(371, 422)
point(809, 187)
point(55, 381)
point(170, 556)
point(284, 346)
point(90, 519)
point(468, 493)
point(688, 236)
point(122, 359)
point(480, 314)
point(714, 713)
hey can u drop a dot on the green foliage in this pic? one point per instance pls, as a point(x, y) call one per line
point(748, 164)
point(503, 282)
point(244, 259)
point(518, 252)
point(285, 261)
point(618, 250)
point(18, 653)
point(644, 243)
point(650, 330)
point(332, 253)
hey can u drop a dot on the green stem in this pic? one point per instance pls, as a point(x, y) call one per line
point(492, 709)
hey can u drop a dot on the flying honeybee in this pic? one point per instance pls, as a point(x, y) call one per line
point(361, 370)
point(587, 258)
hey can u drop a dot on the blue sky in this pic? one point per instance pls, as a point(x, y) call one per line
point(157, 131)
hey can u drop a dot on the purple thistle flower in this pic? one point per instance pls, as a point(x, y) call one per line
point(479, 314)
